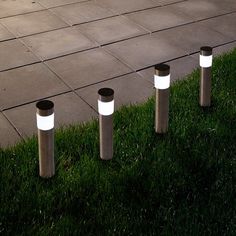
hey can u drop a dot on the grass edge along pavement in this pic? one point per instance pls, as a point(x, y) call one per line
point(181, 183)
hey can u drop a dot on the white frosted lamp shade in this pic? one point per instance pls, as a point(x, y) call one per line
point(45, 115)
point(162, 82)
point(162, 76)
point(205, 57)
point(45, 122)
point(105, 101)
point(105, 108)
point(205, 61)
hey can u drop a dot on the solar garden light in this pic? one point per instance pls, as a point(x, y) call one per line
point(205, 81)
point(105, 110)
point(45, 125)
point(162, 84)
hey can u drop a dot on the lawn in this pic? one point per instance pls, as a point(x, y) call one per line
point(180, 183)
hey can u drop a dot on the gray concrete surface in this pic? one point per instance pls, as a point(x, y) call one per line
point(65, 50)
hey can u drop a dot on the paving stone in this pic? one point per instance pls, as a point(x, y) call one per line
point(13, 54)
point(32, 23)
point(200, 9)
point(82, 12)
point(10, 8)
point(179, 68)
point(224, 48)
point(85, 68)
point(58, 43)
point(182, 67)
point(28, 83)
point(8, 135)
point(191, 37)
point(144, 51)
point(124, 6)
point(229, 5)
point(68, 108)
point(129, 89)
point(226, 25)
point(56, 3)
point(5, 34)
point(24, 119)
point(159, 18)
point(166, 2)
point(148, 74)
point(111, 29)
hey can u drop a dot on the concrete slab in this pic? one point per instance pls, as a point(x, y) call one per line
point(14, 54)
point(11, 8)
point(33, 23)
point(179, 68)
point(191, 37)
point(69, 109)
point(148, 74)
point(8, 135)
point(24, 118)
point(85, 68)
point(56, 3)
point(145, 51)
point(58, 43)
point(159, 18)
point(129, 89)
point(200, 9)
point(182, 67)
point(27, 84)
point(224, 48)
point(111, 29)
point(228, 5)
point(124, 6)
point(225, 25)
point(5, 34)
point(82, 12)
point(167, 2)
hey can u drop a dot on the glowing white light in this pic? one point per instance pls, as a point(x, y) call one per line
point(105, 108)
point(205, 61)
point(162, 82)
point(45, 122)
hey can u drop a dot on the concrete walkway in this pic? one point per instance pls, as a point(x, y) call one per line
point(65, 50)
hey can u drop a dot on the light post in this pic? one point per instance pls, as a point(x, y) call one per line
point(162, 84)
point(45, 125)
point(106, 110)
point(205, 81)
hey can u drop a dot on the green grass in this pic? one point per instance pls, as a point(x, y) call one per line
point(181, 183)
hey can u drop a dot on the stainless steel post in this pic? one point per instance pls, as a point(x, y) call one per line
point(162, 84)
point(45, 125)
point(106, 109)
point(205, 81)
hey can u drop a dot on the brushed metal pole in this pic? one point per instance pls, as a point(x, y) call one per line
point(106, 137)
point(162, 71)
point(205, 81)
point(162, 110)
point(105, 96)
point(45, 108)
